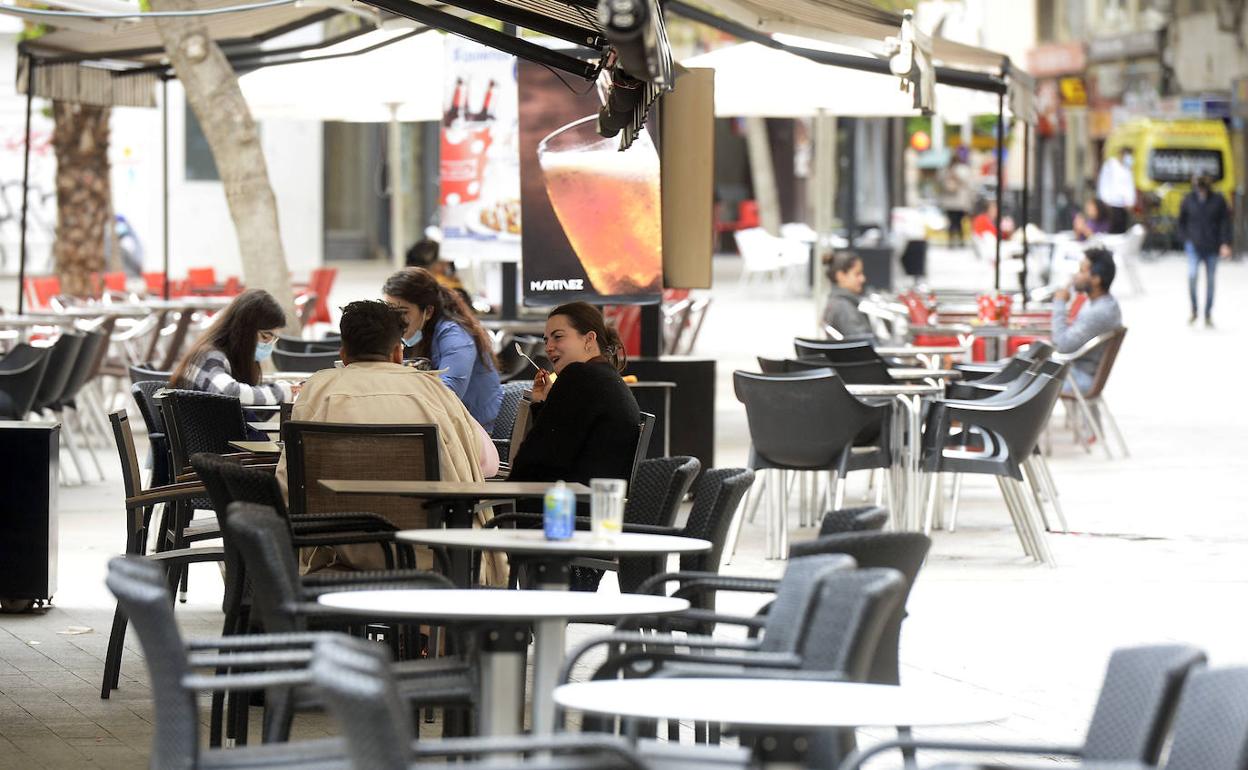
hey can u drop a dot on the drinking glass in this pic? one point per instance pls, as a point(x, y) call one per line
point(606, 507)
point(608, 204)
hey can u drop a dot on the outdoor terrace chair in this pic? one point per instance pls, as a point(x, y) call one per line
point(21, 371)
point(145, 372)
point(355, 680)
point(1012, 426)
point(808, 421)
point(862, 518)
point(513, 394)
point(313, 361)
point(283, 604)
point(139, 505)
point(144, 394)
point(1090, 405)
point(179, 670)
point(329, 344)
point(764, 254)
point(1131, 720)
point(78, 431)
point(846, 352)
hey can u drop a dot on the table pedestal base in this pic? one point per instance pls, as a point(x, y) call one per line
point(503, 651)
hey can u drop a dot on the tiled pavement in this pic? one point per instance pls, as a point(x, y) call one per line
point(1156, 553)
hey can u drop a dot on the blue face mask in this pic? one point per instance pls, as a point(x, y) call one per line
point(264, 350)
point(415, 339)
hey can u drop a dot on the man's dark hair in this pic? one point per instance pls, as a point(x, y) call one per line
point(1101, 264)
point(370, 329)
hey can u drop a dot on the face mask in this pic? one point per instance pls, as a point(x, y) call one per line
point(1129, 161)
point(415, 339)
point(264, 350)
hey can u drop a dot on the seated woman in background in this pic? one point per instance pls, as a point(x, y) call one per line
point(1091, 221)
point(440, 327)
point(584, 417)
point(841, 312)
point(226, 358)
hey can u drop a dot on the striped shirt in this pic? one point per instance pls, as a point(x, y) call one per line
point(210, 372)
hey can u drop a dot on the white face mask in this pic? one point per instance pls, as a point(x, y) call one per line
point(264, 350)
point(1128, 160)
point(415, 339)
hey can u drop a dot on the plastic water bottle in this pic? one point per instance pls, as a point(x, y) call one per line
point(559, 518)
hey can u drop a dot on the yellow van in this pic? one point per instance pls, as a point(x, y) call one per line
point(1167, 153)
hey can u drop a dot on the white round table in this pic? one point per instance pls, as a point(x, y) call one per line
point(773, 709)
point(501, 620)
point(553, 556)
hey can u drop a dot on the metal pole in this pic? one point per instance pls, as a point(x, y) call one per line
point(1026, 178)
point(164, 177)
point(21, 266)
point(996, 281)
point(851, 200)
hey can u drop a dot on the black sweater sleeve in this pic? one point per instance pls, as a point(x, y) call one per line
point(563, 423)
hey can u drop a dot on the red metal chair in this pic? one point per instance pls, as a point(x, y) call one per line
point(41, 290)
point(1013, 344)
point(320, 283)
point(201, 277)
point(627, 320)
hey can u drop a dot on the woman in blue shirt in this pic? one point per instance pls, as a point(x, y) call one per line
point(440, 327)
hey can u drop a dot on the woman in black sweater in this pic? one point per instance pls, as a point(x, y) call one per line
point(585, 419)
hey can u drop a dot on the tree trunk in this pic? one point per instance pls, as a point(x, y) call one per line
point(212, 90)
point(83, 194)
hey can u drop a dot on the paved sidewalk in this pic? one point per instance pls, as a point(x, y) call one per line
point(1155, 553)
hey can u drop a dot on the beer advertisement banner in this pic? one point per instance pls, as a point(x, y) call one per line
point(591, 214)
point(479, 167)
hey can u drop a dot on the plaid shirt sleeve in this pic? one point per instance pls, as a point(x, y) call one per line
point(211, 373)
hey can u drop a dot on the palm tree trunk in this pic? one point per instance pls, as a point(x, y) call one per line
point(213, 92)
point(83, 194)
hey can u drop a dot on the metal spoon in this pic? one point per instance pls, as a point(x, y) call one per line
point(521, 353)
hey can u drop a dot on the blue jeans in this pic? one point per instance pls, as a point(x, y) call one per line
point(1194, 258)
point(1082, 379)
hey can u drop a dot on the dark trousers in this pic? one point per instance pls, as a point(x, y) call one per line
point(955, 217)
point(1119, 219)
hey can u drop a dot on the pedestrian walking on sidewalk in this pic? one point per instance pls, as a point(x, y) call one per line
point(1205, 227)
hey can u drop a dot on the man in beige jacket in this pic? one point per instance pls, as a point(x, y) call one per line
point(374, 387)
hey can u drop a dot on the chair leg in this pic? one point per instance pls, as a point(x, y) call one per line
point(839, 501)
point(1113, 425)
point(952, 523)
point(781, 519)
point(1011, 507)
point(112, 659)
point(1031, 488)
point(759, 489)
point(1043, 553)
point(933, 495)
point(1038, 471)
point(81, 425)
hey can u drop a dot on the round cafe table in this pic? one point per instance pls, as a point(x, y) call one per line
point(774, 709)
point(500, 620)
point(551, 558)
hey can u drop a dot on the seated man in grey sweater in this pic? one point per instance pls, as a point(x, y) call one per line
point(841, 313)
point(1100, 314)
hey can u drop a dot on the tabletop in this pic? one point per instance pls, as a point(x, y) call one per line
point(780, 702)
point(522, 541)
point(258, 447)
point(288, 376)
point(904, 351)
point(497, 604)
point(27, 321)
point(448, 490)
point(900, 389)
point(922, 373)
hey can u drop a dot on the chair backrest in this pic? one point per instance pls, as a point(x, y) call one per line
point(209, 467)
point(146, 371)
point(1137, 701)
point(862, 518)
point(41, 290)
point(1031, 418)
point(358, 686)
point(716, 496)
point(144, 394)
point(644, 429)
point(863, 372)
point(60, 366)
point(781, 408)
point(850, 351)
point(288, 344)
point(851, 610)
point(201, 276)
point(316, 450)
point(321, 283)
point(83, 366)
point(900, 551)
point(1211, 724)
point(772, 365)
point(659, 485)
point(262, 538)
point(790, 610)
point(304, 362)
point(196, 421)
point(21, 371)
point(1109, 354)
point(142, 594)
point(513, 393)
point(130, 469)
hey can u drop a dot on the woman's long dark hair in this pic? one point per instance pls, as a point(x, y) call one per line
point(234, 333)
point(417, 286)
point(586, 318)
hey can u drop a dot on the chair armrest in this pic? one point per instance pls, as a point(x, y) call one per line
point(525, 744)
point(855, 760)
point(256, 641)
point(318, 585)
point(257, 680)
point(651, 529)
point(637, 638)
point(711, 581)
point(254, 659)
point(357, 520)
point(168, 493)
point(188, 555)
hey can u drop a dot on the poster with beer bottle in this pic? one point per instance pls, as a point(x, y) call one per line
point(591, 215)
point(479, 177)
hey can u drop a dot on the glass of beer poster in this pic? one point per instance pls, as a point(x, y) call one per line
point(608, 204)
